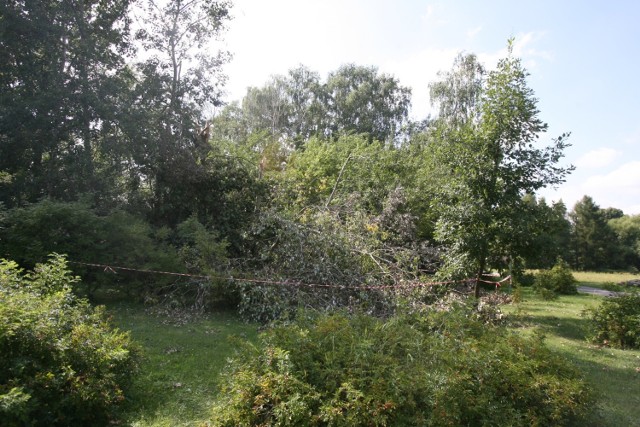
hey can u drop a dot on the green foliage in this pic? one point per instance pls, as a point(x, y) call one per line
point(320, 251)
point(525, 279)
point(440, 369)
point(203, 252)
point(76, 230)
point(61, 362)
point(616, 322)
point(558, 280)
point(332, 172)
point(339, 251)
point(593, 241)
point(485, 158)
point(627, 230)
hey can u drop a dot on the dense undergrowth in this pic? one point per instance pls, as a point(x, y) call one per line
point(439, 368)
point(61, 361)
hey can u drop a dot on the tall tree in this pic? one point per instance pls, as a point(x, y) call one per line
point(354, 99)
point(487, 166)
point(267, 108)
point(177, 83)
point(363, 101)
point(58, 63)
point(458, 91)
point(593, 241)
point(627, 229)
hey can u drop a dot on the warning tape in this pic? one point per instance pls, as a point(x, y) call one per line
point(498, 284)
point(112, 269)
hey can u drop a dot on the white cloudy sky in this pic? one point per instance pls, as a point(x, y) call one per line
point(583, 56)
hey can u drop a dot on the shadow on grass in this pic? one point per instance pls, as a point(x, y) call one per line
point(619, 398)
point(569, 328)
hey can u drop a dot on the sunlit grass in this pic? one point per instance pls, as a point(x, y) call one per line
point(180, 373)
point(607, 281)
point(615, 374)
point(182, 364)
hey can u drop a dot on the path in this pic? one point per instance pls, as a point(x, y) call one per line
point(596, 291)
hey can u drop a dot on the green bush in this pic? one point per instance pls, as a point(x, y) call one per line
point(525, 279)
point(616, 322)
point(78, 231)
point(61, 363)
point(558, 280)
point(444, 368)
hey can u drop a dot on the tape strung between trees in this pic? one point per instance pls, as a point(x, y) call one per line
point(112, 269)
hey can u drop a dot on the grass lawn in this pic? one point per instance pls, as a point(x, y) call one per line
point(182, 363)
point(608, 281)
point(177, 385)
point(615, 374)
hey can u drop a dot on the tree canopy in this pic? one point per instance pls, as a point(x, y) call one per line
point(108, 118)
point(487, 157)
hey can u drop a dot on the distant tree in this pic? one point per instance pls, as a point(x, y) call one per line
point(354, 99)
point(267, 108)
point(593, 241)
point(627, 229)
point(486, 165)
point(546, 235)
point(363, 101)
point(612, 213)
point(458, 92)
point(308, 105)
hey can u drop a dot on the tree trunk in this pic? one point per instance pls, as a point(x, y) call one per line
point(476, 290)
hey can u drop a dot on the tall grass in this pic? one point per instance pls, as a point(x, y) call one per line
point(602, 280)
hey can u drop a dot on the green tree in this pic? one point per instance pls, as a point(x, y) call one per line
point(545, 232)
point(458, 91)
point(59, 61)
point(593, 241)
point(365, 102)
point(307, 105)
point(175, 86)
point(627, 229)
point(354, 99)
point(486, 165)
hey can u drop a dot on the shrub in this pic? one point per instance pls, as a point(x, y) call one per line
point(558, 280)
point(78, 231)
point(61, 363)
point(524, 279)
point(616, 322)
point(444, 368)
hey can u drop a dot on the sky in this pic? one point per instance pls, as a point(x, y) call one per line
point(583, 58)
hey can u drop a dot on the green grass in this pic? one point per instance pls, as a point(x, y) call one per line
point(177, 385)
point(608, 281)
point(183, 360)
point(615, 374)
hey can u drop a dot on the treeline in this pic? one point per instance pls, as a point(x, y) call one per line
point(114, 159)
